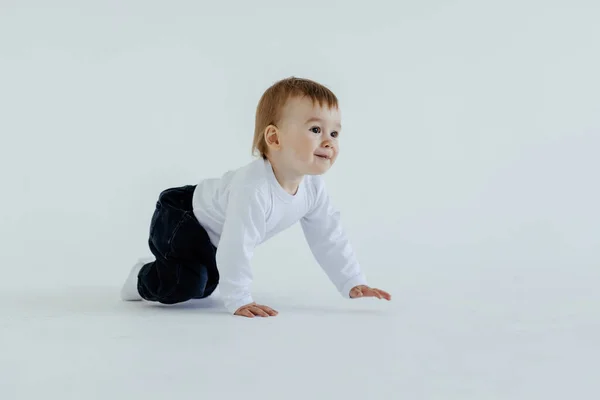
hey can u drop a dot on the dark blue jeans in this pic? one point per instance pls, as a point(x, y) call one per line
point(185, 266)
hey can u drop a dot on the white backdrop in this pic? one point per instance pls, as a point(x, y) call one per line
point(471, 130)
point(469, 161)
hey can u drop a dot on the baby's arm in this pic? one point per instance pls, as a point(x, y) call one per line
point(243, 229)
point(332, 250)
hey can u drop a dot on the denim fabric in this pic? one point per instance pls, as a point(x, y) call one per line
point(185, 266)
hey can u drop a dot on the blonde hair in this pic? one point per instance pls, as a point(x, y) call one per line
point(268, 111)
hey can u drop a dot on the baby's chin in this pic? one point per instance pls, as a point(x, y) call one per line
point(319, 169)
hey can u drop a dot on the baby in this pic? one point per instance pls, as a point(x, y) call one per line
point(204, 235)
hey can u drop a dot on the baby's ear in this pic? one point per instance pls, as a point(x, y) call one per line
point(272, 137)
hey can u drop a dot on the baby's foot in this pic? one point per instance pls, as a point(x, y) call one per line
point(129, 291)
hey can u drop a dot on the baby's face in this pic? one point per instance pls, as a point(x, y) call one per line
point(309, 135)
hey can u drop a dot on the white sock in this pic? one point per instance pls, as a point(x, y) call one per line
point(129, 290)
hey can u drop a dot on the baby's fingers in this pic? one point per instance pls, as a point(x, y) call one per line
point(257, 310)
point(252, 310)
point(371, 293)
point(384, 294)
point(245, 313)
point(380, 294)
point(269, 310)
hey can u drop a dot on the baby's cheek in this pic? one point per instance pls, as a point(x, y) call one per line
point(306, 148)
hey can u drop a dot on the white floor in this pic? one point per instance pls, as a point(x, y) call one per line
point(444, 336)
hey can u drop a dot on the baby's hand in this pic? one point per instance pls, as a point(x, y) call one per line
point(251, 310)
point(365, 291)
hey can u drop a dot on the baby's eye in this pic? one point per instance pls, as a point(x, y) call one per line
point(334, 134)
point(315, 129)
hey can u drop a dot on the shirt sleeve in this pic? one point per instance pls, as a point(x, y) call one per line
point(243, 230)
point(330, 245)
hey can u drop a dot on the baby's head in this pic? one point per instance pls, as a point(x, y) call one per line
point(298, 123)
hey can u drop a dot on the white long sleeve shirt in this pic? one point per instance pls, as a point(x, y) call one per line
point(247, 206)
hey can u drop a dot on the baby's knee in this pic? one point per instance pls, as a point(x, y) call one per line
point(192, 282)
